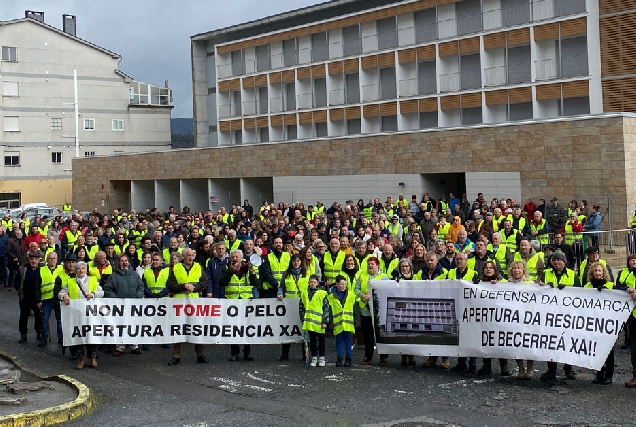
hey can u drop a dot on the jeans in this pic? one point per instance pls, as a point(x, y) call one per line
point(343, 339)
point(317, 344)
point(472, 361)
point(48, 306)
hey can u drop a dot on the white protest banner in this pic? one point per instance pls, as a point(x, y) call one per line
point(577, 326)
point(173, 320)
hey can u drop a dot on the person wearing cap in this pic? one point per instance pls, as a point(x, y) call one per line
point(593, 256)
point(30, 296)
point(560, 276)
point(395, 227)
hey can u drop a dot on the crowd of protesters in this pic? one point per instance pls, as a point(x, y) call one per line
point(325, 256)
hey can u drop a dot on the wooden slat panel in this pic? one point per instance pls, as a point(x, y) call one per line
point(449, 102)
point(249, 123)
point(304, 73)
point(276, 120)
point(386, 59)
point(224, 86)
point(260, 80)
point(497, 97)
point(289, 119)
point(574, 27)
point(428, 104)
point(370, 61)
point(409, 106)
point(407, 55)
point(320, 116)
point(224, 126)
point(448, 48)
point(352, 113)
point(335, 67)
point(263, 122)
point(318, 71)
point(552, 91)
point(304, 118)
point(336, 23)
point(371, 110)
point(426, 52)
point(275, 78)
point(610, 6)
point(521, 94)
point(520, 36)
point(471, 100)
point(288, 76)
point(469, 45)
point(236, 124)
point(492, 41)
point(388, 109)
point(576, 89)
point(336, 114)
point(235, 84)
point(547, 31)
point(351, 65)
point(248, 82)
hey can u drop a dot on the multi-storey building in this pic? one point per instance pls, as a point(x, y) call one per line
point(365, 98)
point(117, 114)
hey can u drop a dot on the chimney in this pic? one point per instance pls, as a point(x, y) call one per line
point(69, 24)
point(38, 16)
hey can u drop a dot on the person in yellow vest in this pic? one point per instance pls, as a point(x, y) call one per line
point(519, 275)
point(315, 314)
point(389, 260)
point(50, 303)
point(539, 228)
point(509, 236)
point(67, 208)
point(627, 281)
point(81, 286)
point(272, 269)
point(100, 267)
point(342, 301)
point(7, 222)
point(155, 278)
point(532, 258)
point(405, 272)
point(232, 243)
point(502, 253)
point(239, 279)
point(173, 246)
point(598, 278)
point(69, 238)
point(364, 276)
point(187, 280)
point(593, 256)
point(518, 222)
point(295, 280)
point(560, 276)
point(442, 228)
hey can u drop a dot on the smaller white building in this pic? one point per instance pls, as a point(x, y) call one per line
point(117, 114)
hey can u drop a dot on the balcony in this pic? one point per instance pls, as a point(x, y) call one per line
point(568, 66)
point(147, 94)
point(512, 74)
point(470, 80)
point(449, 82)
point(409, 87)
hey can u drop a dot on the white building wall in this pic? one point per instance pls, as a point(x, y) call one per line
point(494, 184)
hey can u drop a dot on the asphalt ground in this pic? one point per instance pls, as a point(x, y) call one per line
point(142, 390)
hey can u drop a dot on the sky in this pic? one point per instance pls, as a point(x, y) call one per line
point(152, 36)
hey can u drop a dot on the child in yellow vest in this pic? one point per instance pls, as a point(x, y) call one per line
point(342, 301)
point(315, 314)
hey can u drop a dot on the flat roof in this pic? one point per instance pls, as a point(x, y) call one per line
point(306, 15)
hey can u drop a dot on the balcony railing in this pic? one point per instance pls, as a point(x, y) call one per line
point(568, 66)
point(409, 87)
point(276, 104)
point(371, 92)
point(533, 11)
point(449, 82)
point(336, 97)
point(495, 76)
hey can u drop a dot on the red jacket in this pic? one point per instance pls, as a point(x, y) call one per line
point(32, 238)
point(530, 208)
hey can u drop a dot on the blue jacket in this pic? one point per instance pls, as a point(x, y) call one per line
point(594, 222)
point(213, 270)
point(4, 239)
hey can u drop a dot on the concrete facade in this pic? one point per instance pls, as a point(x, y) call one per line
point(37, 142)
point(582, 158)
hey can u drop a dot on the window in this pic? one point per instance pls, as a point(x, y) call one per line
point(426, 25)
point(321, 129)
point(237, 137)
point(56, 157)
point(352, 41)
point(320, 92)
point(292, 132)
point(9, 54)
point(9, 200)
point(263, 61)
point(290, 52)
point(387, 83)
point(389, 124)
point(428, 119)
point(387, 33)
point(11, 124)
point(263, 134)
point(354, 126)
point(262, 100)
point(9, 88)
point(89, 153)
point(56, 123)
point(352, 88)
point(290, 96)
point(89, 124)
point(319, 47)
point(237, 63)
point(118, 124)
point(12, 158)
